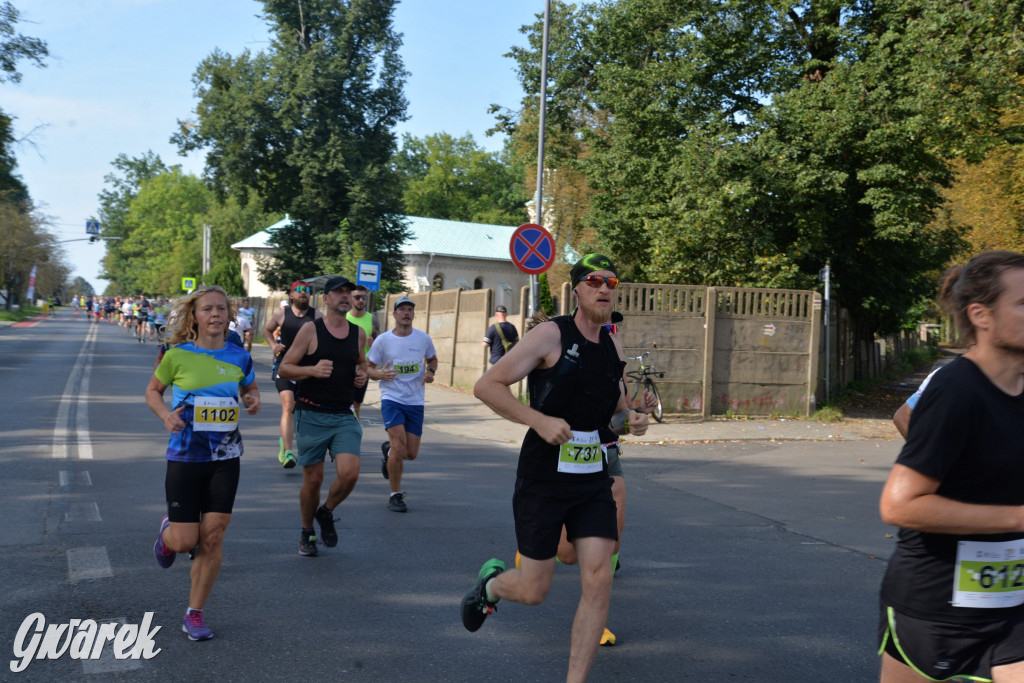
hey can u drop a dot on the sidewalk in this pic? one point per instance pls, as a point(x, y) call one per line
point(458, 412)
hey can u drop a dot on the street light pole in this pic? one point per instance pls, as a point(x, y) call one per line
point(534, 288)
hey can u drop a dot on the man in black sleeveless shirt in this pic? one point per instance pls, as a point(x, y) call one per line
point(574, 369)
point(290, 319)
point(327, 356)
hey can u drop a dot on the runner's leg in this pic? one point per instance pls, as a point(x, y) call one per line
point(206, 564)
point(594, 555)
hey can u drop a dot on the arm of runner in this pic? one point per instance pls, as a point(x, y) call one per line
point(361, 375)
point(250, 396)
point(909, 500)
point(268, 331)
point(637, 421)
point(305, 344)
point(430, 370)
point(155, 400)
point(541, 348)
point(901, 418)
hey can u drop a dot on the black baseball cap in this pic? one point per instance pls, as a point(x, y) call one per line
point(337, 282)
point(501, 309)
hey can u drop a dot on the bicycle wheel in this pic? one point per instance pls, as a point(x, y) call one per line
point(657, 413)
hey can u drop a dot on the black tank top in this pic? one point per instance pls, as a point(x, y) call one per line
point(583, 389)
point(332, 394)
point(291, 326)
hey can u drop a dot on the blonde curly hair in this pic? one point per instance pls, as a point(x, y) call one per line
point(181, 323)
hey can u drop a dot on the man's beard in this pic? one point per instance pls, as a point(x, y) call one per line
point(301, 304)
point(595, 315)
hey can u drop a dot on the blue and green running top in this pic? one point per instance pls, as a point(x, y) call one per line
point(206, 383)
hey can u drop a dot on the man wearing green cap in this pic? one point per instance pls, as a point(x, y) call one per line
point(574, 366)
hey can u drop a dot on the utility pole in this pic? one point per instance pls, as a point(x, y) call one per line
point(206, 248)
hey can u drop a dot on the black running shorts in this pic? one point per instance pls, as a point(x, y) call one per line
point(360, 394)
point(194, 488)
point(541, 508)
point(945, 650)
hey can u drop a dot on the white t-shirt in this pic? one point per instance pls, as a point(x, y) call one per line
point(407, 355)
point(240, 324)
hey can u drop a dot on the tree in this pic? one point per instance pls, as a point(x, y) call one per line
point(14, 47)
point(168, 214)
point(25, 243)
point(748, 143)
point(80, 286)
point(115, 204)
point(455, 179)
point(308, 126)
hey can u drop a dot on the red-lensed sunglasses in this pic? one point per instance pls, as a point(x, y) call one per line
point(596, 281)
point(612, 328)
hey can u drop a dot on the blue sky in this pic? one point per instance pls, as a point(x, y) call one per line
point(120, 76)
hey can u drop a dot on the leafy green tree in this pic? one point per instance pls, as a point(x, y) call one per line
point(456, 179)
point(546, 303)
point(168, 215)
point(80, 286)
point(308, 126)
point(14, 47)
point(24, 243)
point(746, 143)
point(165, 243)
point(115, 200)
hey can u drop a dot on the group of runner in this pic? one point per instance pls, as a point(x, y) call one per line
point(323, 362)
point(952, 600)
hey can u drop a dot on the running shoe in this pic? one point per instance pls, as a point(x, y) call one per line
point(307, 544)
point(289, 460)
point(164, 555)
point(325, 518)
point(385, 448)
point(195, 627)
point(475, 605)
point(607, 638)
point(396, 503)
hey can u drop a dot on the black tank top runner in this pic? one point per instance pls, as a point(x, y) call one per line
point(291, 326)
point(583, 389)
point(333, 394)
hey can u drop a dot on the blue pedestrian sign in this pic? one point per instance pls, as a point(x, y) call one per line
point(368, 275)
point(92, 227)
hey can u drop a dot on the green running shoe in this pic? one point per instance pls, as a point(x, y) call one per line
point(475, 605)
point(289, 460)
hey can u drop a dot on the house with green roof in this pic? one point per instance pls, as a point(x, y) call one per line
point(439, 254)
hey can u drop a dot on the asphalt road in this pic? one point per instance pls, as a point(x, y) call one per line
point(741, 561)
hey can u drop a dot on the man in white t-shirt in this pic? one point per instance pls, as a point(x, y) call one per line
point(404, 360)
point(249, 312)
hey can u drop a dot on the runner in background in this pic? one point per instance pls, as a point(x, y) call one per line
point(289, 318)
point(364, 319)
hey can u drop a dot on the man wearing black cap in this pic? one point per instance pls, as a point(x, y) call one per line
point(404, 360)
point(327, 361)
point(501, 336)
point(290, 319)
point(575, 371)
